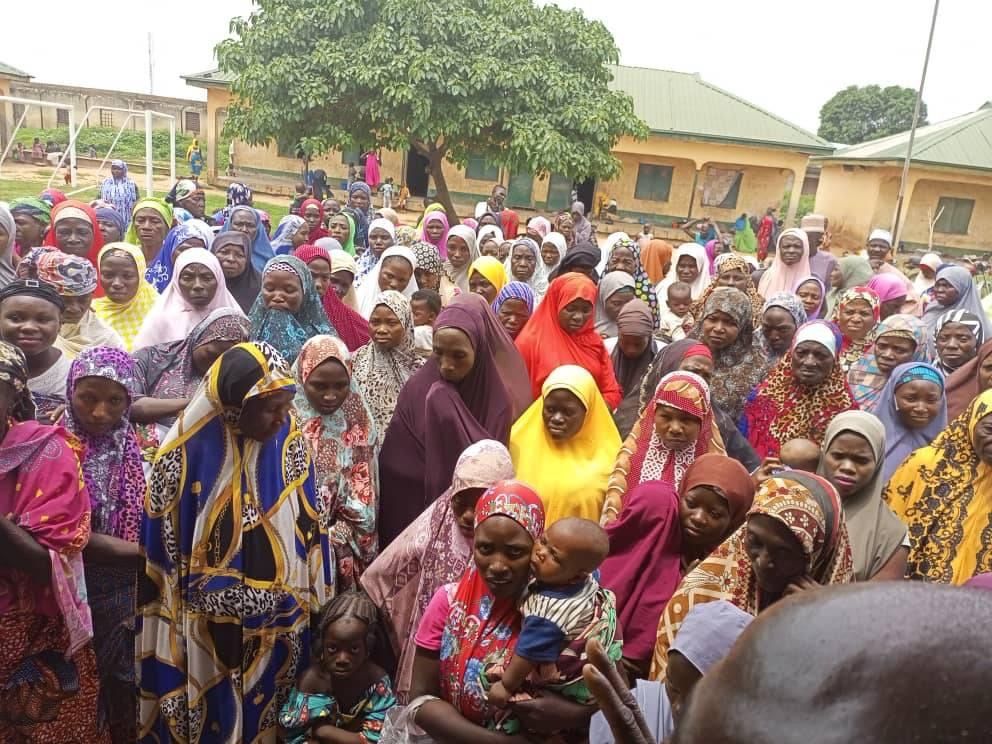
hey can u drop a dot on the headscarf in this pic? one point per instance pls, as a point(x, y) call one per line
point(122, 192)
point(238, 194)
point(963, 385)
point(382, 374)
point(579, 255)
point(261, 250)
point(282, 238)
point(14, 371)
point(7, 247)
point(541, 225)
point(782, 278)
point(655, 256)
point(343, 261)
point(283, 330)
point(428, 259)
point(698, 254)
point(709, 632)
point(874, 531)
point(159, 274)
point(110, 214)
point(855, 272)
point(509, 222)
point(968, 300)
point(851, 351)
point(515, 291)
point(793, 306)
point(643, 286)
point(558, 241)
point(943, 493)
point(865, 378)
point(634, 319)
point(819, 311)
point(969, 320)
point(583, 228)
point(901, 441)
point(491, 270)
point(538, 281)
point(562, 219)
point(362, 217)
point(36, 209)
point(368, 293)
point(171, 317)
point(368, 260)
point(348, 245)
point(887, 287)
point(442, 242)
point(611, 283)
point(487, 232)
point(246, 286)
point(570, 476)
point(112, 465)
point(733, 262)
point(149, 202)
point(809, 507)
point(921, 283)
point(72, 208)
point(781, 409)
point(459, 277)
point(351, 327)
point(318, 232)
point(545, 345)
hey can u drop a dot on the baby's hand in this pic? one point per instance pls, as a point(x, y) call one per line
point(499, 696)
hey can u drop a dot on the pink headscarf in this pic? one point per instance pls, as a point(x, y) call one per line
point(782, 278)
point(888, 286)
point(540, 225)
point(442, 243)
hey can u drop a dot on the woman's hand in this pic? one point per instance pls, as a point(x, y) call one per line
point(802, 584)
point(769, 466)
point(550, 712)
point(615, 698)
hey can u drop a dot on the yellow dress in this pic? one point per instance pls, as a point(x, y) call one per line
point(569, 476)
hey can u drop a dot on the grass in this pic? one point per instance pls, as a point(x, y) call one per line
point(130, 146)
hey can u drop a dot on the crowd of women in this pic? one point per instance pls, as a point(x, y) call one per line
point(342, 480)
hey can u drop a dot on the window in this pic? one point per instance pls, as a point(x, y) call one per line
point(350, 156)
point(106, 118)
point(955, 215)
point(192, 121)
point(721, 187)
point(479, 170)
point(559, 192)
point(285, 150)
point(654, 182)
point(62, 117)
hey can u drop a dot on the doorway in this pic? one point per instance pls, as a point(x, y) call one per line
point(586, 190)
point(417, 175)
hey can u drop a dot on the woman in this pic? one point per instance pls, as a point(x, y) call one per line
point(853, 460)
point(75, 230)
point(429, 268)
point(553, 249)
point(660, 533)
point(30, 318)
point(790, 265)
point(243, 280)
point(561, 332)
point(564, 226)
point(47, 662)
point(190, 234)
point(634, 347)
point(856, 315)
point(118, 189)
point(624, 255)
point(615, 290)
point(565, 445)
point(656, 256)
point(851, 271)
point(956, 339)
point(689, 266)
point(929, 264)
point(537, 228)
point(913, 409)
point(245, 219)
point(459, 254)
point(584, 232)
point(490, 238)
point(801, 395)
point(151, 221)
point(292, 232)
point(473, 388)
point(351, 327)
point(32, 218)
point(675, 428)
point(288, 311)
point(813, 294)
point(954, 289)
point(197, 289)
point(8, 235)
point(100, 389)
point(341, 227)
point(968, 380)
point(725, 327)
point(235, 441)
point(436, 230)
point(514, 306)
point(891, 291)
point(487, 277)
point(312, 212)
point(382, 236)
point(733, 271)
point(360, 202)
point(127, 297)
point(339, 427)
point(797, 517)
point(898, 339)
point(395, 270)
point(344, 268)
point(582, 258)
point(526, 265)
point(433, 551)
point(781, 316)
point(382, 367)
point(111, 223)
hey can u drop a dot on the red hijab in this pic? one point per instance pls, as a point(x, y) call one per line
point(351, 327)
point(72, 208)
point(320, 231)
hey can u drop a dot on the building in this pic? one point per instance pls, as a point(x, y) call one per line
point(709, 153)
point(949, 186)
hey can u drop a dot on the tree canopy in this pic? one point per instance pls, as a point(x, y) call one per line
point(520, 85)
point(856, 115)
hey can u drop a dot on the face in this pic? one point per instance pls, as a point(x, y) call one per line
point(945, 293)
point(478, 284)
point(812, 363)
point(775, 553)
point(454, 353)
point(504, 250)
point(327, 387)
point(563, 414)
point(457, 251)
point(342, 281)
point(632, 346)
point(573, 317)
point(387, 329)
point(891, 351)
point(983, 439)
point(110, 232)
point(197, 285)
point(514, 314)
point(345, 647)
point(705, 518)
point(810, 295)
point(312, 216)
point(463, 508)
point(502, 552)
point(877, 251)
point(891, 307)
point(498, 196)
point(720, 331)
point(735, 278)
point(76, 307)
point(264, 415)
point(117, 172)
point(918, 403)
point(359, 200)
point(622, 259)
point(679, 302)
point(680, 677)
point(567, 229)
point(395, 273)
point(151, 228)
point(549, 254)
point(98, 404)
point(232, 258)
point(282, 290)
point(379, 240)
point(489, 247)
point(686, 269)
point(791, 250)
point(74, 235)
point(849, 463)
point(779, 328)
point(244, 222)
point(206, 354)
point(434, 230)
point(523, 263)
point(339, 228)
point(956, 345)
point(555, 559)
point(195, 204)
point(836, 277)
point(985, 374)
point(30, 323)
point(676, 429)
point(119, 276)
point(700, 365)
point(29, 231)
point(320, 270)
point(856, 319)
point(301, 235)
point(615, 302)
point(185, 246)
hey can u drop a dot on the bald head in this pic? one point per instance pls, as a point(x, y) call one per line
point(885, 662)
point(800, 454)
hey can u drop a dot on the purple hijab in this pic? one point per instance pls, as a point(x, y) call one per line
point(900, 441)
point(818, 312)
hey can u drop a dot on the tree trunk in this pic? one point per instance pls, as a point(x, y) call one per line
point(436, 158)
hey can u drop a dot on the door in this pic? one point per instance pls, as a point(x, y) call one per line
point(559, 193)
point(417, 175)
point(520, 192)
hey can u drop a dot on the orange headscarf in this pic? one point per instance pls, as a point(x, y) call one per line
point(545, 345)
point(656, 255)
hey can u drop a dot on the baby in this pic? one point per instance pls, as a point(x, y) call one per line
point(425, 306)
point(561, 599)
point(677, 321)
point(800, 454)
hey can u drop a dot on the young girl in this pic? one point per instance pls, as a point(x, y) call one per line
point(342, 696)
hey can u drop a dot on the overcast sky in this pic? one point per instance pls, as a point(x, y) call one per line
point(786, 56)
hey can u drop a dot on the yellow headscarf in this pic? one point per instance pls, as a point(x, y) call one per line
point(490, 268)
point(569, 476)
point(126, 318)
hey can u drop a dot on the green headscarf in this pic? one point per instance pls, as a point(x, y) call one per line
point(856, 271)
point(348, 246)
point(149, 202)
point(32, 207)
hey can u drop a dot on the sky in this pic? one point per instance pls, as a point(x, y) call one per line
point(786, 56)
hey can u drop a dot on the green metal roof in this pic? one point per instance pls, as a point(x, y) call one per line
point(208, 79)
point(12, 72)
point(962, 142)
point(683, 104)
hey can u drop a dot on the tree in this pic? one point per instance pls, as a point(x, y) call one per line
point(856, 115)
point(521, 86)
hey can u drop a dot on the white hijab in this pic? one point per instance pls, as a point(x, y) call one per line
point(561, 245)
point(369, 292)
point(698, 254)
point(538, 281)
point(459, 277)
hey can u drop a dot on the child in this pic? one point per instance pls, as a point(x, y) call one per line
point(342, 692)
point(386, 189)
point(677, 321)
point(561, 602)
point(800, 454)
point(352, 173)
point(425, 305)
point(404, 197)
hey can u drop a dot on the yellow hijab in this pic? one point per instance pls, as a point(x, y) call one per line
point(490, 268)
point(126, 318)
point(570, 476)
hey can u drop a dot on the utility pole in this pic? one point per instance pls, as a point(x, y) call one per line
point(151, 75)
